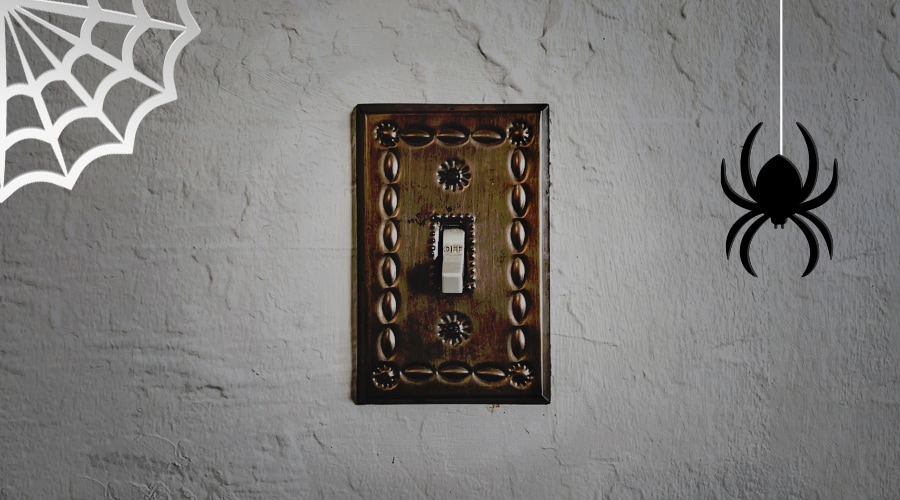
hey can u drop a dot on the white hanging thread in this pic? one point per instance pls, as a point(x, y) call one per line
point(781, 77)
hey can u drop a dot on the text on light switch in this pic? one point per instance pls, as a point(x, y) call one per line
point(453, 260)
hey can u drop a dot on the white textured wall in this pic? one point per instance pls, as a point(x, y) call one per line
point(179, 325)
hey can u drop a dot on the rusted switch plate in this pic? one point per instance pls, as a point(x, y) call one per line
point(452, 253)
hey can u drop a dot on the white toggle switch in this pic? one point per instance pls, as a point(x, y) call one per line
point(452, 250)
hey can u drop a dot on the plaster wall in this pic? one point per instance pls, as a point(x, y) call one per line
point(179, 325)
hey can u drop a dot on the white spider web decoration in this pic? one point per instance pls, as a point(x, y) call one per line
point(68, 97)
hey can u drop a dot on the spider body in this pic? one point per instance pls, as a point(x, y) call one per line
point(779, 195)
point(778, 188)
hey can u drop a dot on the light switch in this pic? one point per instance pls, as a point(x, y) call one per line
point(453, 260)
point(453, 255)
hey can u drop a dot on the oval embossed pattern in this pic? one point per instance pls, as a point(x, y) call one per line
point(390, 201)
point(519, 199)
point(452, 136)
point(390, 166)
point(519, 307)
point(417, 137)
point(517, 271)
point(518, 235)
point(488, 137)
point(388, 342)
point(389, 270)
point(455, 372)
point(389, 305)
point(517, 165)
point(517, 343)
point(391, 236)
point(418, 372)
point(490, 374)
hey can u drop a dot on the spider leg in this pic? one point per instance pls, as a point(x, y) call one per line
point(732, 195)
point(813, 244)
point(813, 164)
point(822, 198)
point(737, 227)
point(822, 229)
point(745, 162)
point(745, 243)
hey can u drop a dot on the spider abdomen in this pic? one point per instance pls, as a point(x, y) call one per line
point(778, 189)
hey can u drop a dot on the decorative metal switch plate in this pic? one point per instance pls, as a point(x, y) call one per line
point(452, 253)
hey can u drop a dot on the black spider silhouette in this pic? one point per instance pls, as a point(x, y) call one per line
point(779, 195)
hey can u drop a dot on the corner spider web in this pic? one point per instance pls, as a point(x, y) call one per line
point(44, 44)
